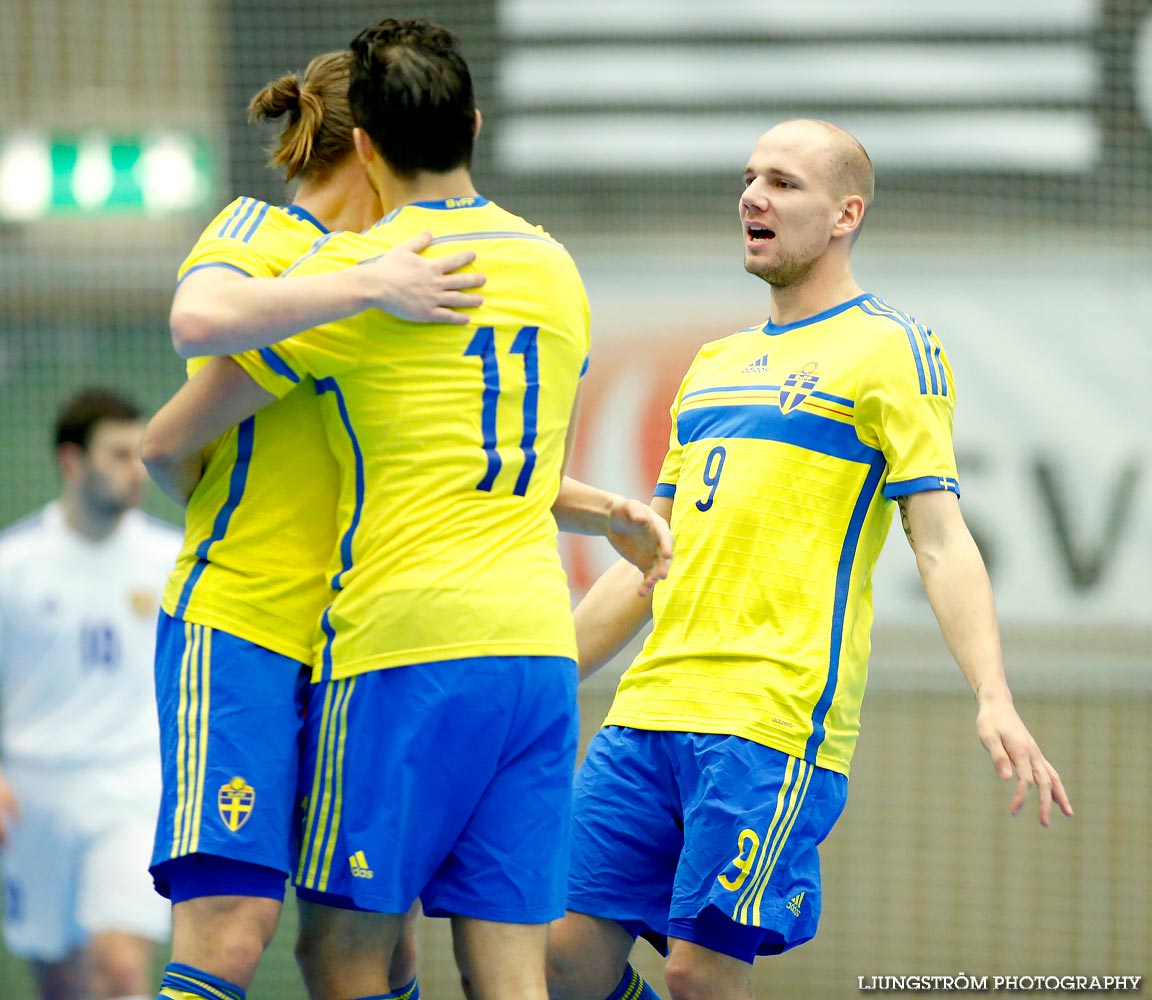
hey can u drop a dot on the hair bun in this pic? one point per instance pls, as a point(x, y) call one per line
point(277, 98)
point(292, 92)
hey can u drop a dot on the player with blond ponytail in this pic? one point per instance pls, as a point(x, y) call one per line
point(215, 312)
point(319, 127)
point(241, 606)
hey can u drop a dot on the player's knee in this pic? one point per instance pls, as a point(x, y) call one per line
point(562, 961)
point(119, 965)
point(688, 979)
point(116, 974)
point(581, 961)
point(561, 976)
point(402, 969)
point(234, 952)
point(573, 976)
point(224, 935)
point(64, 979)
point(309, 955)
point(318, 954)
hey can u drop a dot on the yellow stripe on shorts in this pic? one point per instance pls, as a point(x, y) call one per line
point(349, 685)
point(781, 798)
point(787, 803)
point(314, 824)
point(782, 839)
point(202, 755)
point(189, 733)
point(193, 726)
point(181, 741)
point(327, 795)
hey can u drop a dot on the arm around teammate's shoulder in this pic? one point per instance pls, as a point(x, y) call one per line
point(408, 285)
point(219, 310)
point(960, 594)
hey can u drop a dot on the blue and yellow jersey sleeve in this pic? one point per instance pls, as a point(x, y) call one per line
point(254, 238)
point(670, 468)
point(787, 443)
point(328, 350)
point(907, 399)
point(450, 442)
point(257, 540)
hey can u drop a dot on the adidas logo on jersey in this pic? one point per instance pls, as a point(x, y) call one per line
point(794, 904)
point(359, 865)
point(758, 367)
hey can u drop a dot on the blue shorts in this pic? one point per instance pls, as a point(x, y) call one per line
point(450, 781)
point(710, 839)
point(231, 729)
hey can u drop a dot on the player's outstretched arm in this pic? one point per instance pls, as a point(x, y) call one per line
point(218, 311)
point(9, 809)
point(960, 593)
point(610, 614)
point(615, 608)
point(636, 531)
point(213, 401)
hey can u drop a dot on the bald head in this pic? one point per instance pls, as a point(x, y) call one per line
point(807, 187)
point(838, 153)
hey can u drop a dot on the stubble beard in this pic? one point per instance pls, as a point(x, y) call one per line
point(786, 270)
point(106, 501)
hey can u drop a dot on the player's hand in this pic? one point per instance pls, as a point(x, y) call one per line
point(642, 537)
point(423, 289)
point(1015, 754)
point(9, 809)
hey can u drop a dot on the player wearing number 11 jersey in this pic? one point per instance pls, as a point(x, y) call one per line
point(451, 604)
point(450, 443)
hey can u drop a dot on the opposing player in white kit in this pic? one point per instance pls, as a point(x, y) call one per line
point(80, 582)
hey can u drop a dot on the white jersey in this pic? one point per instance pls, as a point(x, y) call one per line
point(77, 638)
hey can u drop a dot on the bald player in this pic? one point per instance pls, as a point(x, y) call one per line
point(724, 760)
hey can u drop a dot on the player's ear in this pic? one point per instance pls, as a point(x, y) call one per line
point(851, 216)
point(477, 126)
point(70, 462)
point(365, 151)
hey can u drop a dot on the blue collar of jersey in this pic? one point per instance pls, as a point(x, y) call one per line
point(448, 204)
point(303, 213)
point(773, 330)
point(442, 205)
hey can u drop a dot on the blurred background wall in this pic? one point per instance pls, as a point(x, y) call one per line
point(1013, 145)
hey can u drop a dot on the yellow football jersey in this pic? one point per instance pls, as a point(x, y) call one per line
point(788, 444)
point(450, 442)
point(261, 525)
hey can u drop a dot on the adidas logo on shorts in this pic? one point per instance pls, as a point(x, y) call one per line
point(359, 865)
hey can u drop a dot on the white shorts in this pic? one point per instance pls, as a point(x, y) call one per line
point(77, 859)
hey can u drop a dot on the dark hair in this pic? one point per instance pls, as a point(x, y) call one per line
point(318, 133)
point(410, 90)
point(78, 416)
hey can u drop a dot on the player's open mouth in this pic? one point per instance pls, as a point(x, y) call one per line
point(759, 233)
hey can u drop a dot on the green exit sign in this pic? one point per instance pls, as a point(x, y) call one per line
point(95, 173)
